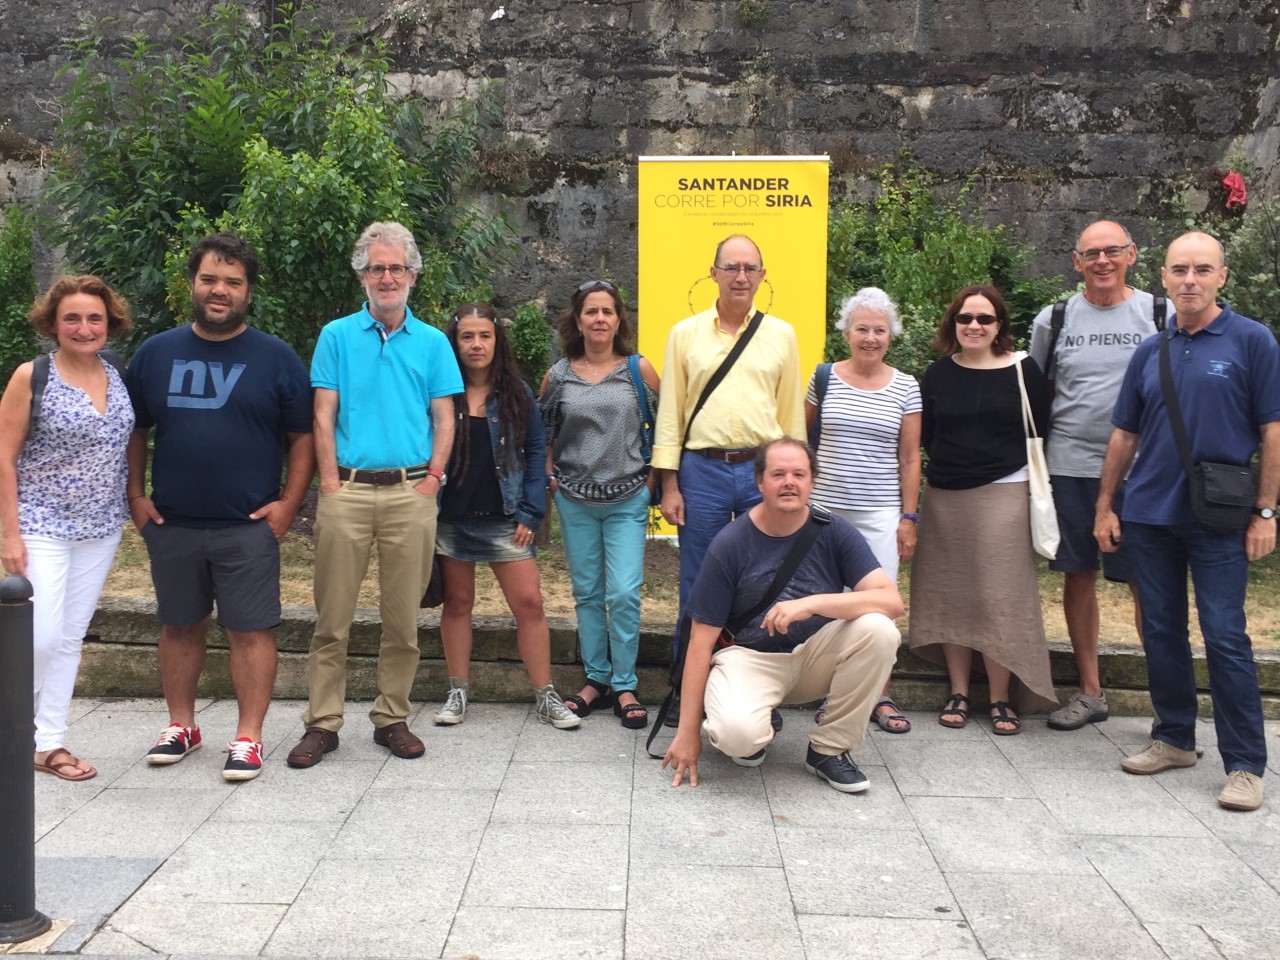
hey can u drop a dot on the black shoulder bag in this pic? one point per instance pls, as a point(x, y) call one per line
point(1222, 494)
point(722, 371)
point(818, 518)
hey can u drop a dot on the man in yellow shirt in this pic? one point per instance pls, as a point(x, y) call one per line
point(708, 477)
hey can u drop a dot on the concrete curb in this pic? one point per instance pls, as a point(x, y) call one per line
point(120, 661)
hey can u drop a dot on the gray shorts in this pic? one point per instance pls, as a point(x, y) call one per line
point(238, 566)
point(1075, 499)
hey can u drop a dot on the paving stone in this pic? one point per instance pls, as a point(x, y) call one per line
point(87, 890)
point(960, 768)
point(1112, 802)
point(1202, 783)
point(247, 863)
point(589, 742)
point(925, 726)
point(710, 913)
point(1263, 858)
point(1032, 920)
point(565, 792)
point(326, 792)
point(196, 927)
point(799, 799)
point(1170, 879)
point(371, 908)
point(524, 865)
point(855, 873)
point(440, 824)
point(55, 799)
point(108, 943)
point(132, 823)
point(874, 938)
point(968, 834)
point(1183, 941)
point(1072, 750)
point(1246, 941)
point(112, 731)
point(458, 766)
point(521, 933)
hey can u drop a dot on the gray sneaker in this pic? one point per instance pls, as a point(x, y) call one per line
point(551, 709)
point(454, 708)
point(1078, 711)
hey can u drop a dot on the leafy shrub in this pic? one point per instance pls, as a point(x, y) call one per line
point(530, 336)
point(17, 292)
point(286, 135)
point(1253, 253)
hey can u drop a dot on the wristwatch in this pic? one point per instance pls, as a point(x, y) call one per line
point(1266, 513)
point(438, 474)
point(913, 517)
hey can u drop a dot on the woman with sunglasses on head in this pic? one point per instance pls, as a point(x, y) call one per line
point(973, 579)
point(491, 508)
point(596, 414)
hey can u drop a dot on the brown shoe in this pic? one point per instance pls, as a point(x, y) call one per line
point(315, 743)
point(400, 740)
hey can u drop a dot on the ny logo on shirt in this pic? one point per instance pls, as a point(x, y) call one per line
point(187, 384)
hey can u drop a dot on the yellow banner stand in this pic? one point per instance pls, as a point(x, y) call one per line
point(689, 204)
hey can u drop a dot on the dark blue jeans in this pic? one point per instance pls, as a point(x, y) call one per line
point(714, 493)
point(1220, 574)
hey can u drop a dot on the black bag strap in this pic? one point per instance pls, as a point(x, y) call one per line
point(1159, 311)
point(818, 518)
point(642, 398)
point(1056, 321)
point(40, 376)
point(821, 380)
point(722, 371)
point(1174, 409)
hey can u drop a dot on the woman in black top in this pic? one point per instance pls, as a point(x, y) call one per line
point(973, 579)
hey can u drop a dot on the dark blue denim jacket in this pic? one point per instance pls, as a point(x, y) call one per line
point(523, 486)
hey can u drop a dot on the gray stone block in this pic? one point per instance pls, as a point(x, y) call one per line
point(521, 933)
point(516, 861)
point(375, 829)
point(838, 938)
point(87, 890)
point(997, 836)
point(1112, 803)
point(936, 768)
point(213, 928)
point(133, 823)
point(565, 792)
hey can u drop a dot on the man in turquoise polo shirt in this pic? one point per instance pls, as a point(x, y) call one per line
point(384, 429)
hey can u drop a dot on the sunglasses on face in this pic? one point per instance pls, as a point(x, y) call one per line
point(964, 319)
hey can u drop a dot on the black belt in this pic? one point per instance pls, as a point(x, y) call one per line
point(727, 456)
point(384, 478)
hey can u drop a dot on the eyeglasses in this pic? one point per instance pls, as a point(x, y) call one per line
point(750, 269)
point(1093, 253)
point(397, 270)
point(593, 285)
point(964, 319)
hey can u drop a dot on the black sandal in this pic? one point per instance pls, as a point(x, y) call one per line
point(953, 706)
point(634, 716)
point(583, 707)
point(1000, 714)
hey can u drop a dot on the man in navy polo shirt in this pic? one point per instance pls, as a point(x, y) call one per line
point(384, 430)
point(1226, 371)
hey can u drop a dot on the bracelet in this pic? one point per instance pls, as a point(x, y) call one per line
point(913, 517)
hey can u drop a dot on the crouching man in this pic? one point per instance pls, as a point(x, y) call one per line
point(816, 640)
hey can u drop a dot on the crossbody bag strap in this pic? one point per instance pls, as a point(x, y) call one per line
point(642, 400)
point(1174, 409)
point(1028, 418)
point(722, 371)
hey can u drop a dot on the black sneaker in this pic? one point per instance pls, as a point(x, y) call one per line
point(775, 720)
point(754, 760)
point(176, 741)
point(839, 771)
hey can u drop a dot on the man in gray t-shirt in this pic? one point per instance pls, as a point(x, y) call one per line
point(1102, 327)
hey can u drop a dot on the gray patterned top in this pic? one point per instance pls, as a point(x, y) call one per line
point(593, 430)
point(71, 471)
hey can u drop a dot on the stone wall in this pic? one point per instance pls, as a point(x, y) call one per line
point(1067, 110)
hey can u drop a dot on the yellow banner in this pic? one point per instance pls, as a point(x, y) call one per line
point(689, 204)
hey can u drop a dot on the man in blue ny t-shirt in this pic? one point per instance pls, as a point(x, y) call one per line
point(1226, 376)
point(829, 633)
point(225, 401)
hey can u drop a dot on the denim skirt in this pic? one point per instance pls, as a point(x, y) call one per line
point(480, 538)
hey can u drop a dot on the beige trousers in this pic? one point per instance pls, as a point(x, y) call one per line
point(349, 522)
point(847, 661)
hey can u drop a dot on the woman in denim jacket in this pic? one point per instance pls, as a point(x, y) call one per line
point(491, 508)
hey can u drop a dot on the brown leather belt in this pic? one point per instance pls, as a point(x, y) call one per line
point(383, 478)
point(727, 456)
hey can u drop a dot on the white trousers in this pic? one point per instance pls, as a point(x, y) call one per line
point(66, 579)
point(879, 528)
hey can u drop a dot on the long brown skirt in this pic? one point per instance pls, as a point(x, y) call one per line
point(973, 583)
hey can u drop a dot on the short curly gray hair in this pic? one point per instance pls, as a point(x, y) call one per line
point(870, 298)
point(386, 232)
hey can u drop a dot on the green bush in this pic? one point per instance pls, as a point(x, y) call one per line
point(288, 136)
point(17, 292)
point(530, 336)
point(1253, 254)
point(921, 249)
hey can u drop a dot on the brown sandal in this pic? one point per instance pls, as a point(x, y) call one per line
point(60, 768)
point(315, 743)
point(400, 740)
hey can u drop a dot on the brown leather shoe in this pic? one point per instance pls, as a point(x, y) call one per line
point(315, 743)
point(400, 740)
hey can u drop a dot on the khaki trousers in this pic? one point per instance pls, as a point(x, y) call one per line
point(847, 661)
point(349, 521)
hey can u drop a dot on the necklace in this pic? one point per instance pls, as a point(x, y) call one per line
point(596, 373)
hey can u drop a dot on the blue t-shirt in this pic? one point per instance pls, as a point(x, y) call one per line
point(742, 562)
point(385, 384)
point(1227, 377)
point(221, 409)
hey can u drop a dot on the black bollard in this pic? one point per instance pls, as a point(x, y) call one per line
point(19, 918)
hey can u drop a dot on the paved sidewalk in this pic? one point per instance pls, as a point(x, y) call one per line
point(512, 839)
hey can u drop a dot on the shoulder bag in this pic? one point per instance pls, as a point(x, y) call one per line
point(1044, 516)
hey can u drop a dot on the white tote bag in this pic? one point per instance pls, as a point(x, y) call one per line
point(1044, 517)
